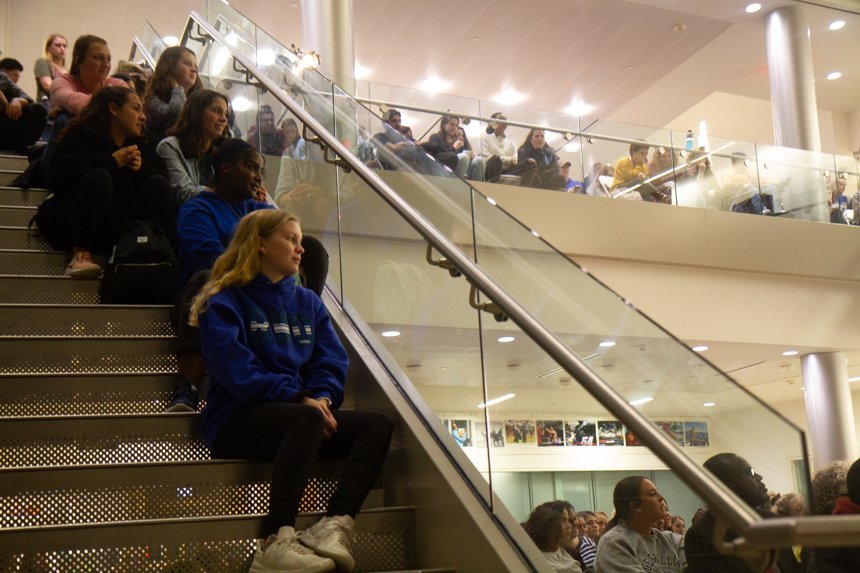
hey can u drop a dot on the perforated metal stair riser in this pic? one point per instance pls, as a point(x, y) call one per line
point(94, 475)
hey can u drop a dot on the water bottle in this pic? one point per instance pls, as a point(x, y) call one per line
point(689, 140)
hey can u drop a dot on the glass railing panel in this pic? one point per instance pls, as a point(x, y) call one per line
point(420, 314)
point(239, 31)
point(153, 42)
point(697, 405)
point(844, 191)
point(612, 168)
point(715, 173)
point(795, 181)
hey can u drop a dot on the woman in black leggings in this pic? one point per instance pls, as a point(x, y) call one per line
point(277, 373)
point(101, 180)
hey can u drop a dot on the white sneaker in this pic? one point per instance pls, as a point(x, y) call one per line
point(282, 553)
point(332, 537)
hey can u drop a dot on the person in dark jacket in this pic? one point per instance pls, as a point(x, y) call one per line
point(174, 79)
point(278, 372)
point(21, 121)
point(537, 163)
point(448, 148)
point(841, 559)
point(102, 179)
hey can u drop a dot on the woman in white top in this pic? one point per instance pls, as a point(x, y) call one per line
point(550, 529)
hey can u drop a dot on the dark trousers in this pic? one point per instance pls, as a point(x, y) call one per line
point(60, 122)
point(291, 436)
point(19, 134)
point(97, 208)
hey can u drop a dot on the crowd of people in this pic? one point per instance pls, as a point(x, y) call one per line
point(643, 536)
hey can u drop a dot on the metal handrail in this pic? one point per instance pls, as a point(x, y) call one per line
point(742, 519)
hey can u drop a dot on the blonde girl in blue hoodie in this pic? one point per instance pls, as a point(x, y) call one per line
point(277, 372)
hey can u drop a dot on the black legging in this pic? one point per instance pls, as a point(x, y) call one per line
point(291, 436)
point(96, 210)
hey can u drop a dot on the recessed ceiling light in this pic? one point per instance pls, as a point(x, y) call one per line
point(641, 401)
point(360, 72)
point(854, 379)
point(709, 404)
point(171, 40)
point(506, 339)
point(834, 75)
point(476, 38)
point(607, 343)
point(433, 84)
point(579, 108)
point(495, 401)
point(837, 25)
point(700, 348)
point(265, 57)
point(790, 353)
point(753, 8)
point(391, 333)
point(509, 96)
point(241, 103)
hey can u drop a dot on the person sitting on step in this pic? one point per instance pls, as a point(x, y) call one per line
point(102, 179)
point(205, 227)
point(278, 372)
point(21, 120)
point(175, 78)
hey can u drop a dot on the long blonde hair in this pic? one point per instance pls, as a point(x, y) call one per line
point(240, 263)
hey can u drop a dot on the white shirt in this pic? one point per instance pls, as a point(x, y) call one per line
point(506, 149)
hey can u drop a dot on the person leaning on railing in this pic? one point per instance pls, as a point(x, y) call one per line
point(632, 170)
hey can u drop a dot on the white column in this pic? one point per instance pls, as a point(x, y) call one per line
point(792, 79)
point(327, 30)
point(828, 407)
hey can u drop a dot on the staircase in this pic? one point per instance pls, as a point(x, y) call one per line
point(94, 476)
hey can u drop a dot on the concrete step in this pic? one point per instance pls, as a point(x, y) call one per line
point(16, 197)
point(385, 541)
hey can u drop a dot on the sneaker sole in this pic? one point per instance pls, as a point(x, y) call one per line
point(343, 562)
point(85, 273)
point(323, 568)
point(180, 408)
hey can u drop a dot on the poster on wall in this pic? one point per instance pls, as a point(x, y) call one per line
point(460, 431)
point(610, 433)
point(674, 430)
point(520, 432)
point(550, 433)
point(630, 438)
point(581, 433)
point(497, 434)
point(696, 434)
point(479, 434)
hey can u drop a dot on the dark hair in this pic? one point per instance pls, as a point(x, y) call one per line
point(636, 147)
point(264, 109)
point(189, 124)
point(290, 121)
point(390, 113)
point(545, 522)
point(446, 119)
point(586, 512)
point(161, 83)
point(97, 113)
point(11, 64)
point(80, 51)
point(626, 490)
point(828, 484)
point(854, 482)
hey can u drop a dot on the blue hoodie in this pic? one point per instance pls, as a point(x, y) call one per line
point(205, 226)
point(268, 342)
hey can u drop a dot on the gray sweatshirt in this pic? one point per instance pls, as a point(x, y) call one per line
point(623, 550)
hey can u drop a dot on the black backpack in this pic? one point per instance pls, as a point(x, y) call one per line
point(142, 268)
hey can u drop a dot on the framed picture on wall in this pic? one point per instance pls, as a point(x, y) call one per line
point(550, 433)
point(460, 430)
point(520, 432)
point(581, 433)
point(497, 434)
point(696, 434)
point(610, 433)
point(479, 434)
point(630, 438)
point(674, 430)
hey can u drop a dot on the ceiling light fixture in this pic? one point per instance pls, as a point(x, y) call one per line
point(391, 333)
point(360, 72)
point(854, 379)
point(834, 75)
point(709, 404)
point(753, 8)
point(790, 353)
point(607, 343)
point(171, 40)
point(579, 108)
point(641, 401)
point(495, 401)
point(837, 25)
point(504, 339)
point(509, 96)
point(241, 103)
point(265, 57)
point(433, 84)
point(700, 348)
